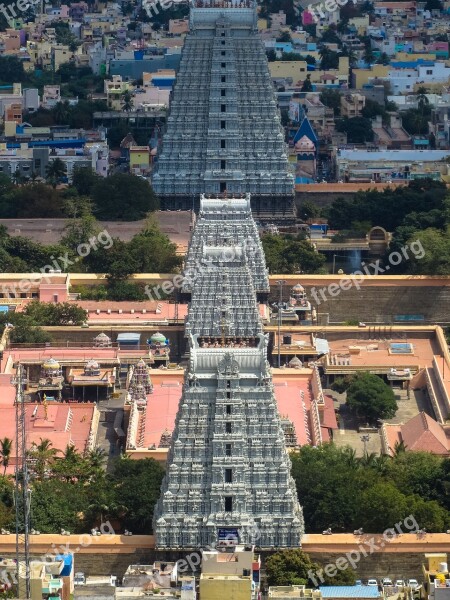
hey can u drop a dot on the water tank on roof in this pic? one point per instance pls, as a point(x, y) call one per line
point(443, 567)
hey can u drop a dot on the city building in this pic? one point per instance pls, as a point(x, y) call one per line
point(224, 132)
point(228, 469)
point(420, 434)
point(293, 592)
point(353, 165)
point(231, 572)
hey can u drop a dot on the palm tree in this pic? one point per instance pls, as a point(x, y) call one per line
point(127, 101)
point(399, 448)
point(17, 177)
point(422, 100)
point(55, 171)
point(44, 455)
point(5, 452)
point(61, 112)
point(367, 460)
point(96, 457)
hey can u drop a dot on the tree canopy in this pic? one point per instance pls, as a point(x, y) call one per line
point(339, 490)
point(291, 254)
point(369, 397)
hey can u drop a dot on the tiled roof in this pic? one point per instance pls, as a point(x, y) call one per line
point(425, 434)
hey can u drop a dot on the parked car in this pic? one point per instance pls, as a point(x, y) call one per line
point(79, 579)
point(413, 584)
point(372, 582)
point(358, 582)
point(400, 583)
point(387, 582)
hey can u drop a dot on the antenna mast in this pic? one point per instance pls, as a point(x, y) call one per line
point(21, 491)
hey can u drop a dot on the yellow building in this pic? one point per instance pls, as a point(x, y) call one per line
point(230, 574)
point(231, 587)
point(360, 24)
point(293, 592)
point(139, 159)
point(296, 69)
point(364, 76)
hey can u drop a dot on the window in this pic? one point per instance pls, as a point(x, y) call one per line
point(223, 53)
point(228, 384)
point(227, 449)
point(223, 42)
point(228, 395)
point(228, 409)
point(223, 93)
point(223, 167)
point(223, 65)
point(429, 71)
point(228, 475)
point(223, 108)
point(223, 79)
point(228, 504)
point(223, 187)
point(228, 427)
point(223, 124)
point(222, 143)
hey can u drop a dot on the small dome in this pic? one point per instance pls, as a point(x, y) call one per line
point(296, 363)
point(102, 336)
point(158, 337)
point(298, 288)
point(51, 363)
point(92, 365)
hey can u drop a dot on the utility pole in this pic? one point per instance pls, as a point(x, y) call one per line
point(21, 490)
point(280, 284)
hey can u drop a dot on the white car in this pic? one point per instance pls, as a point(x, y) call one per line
point(413, 584)
point(372, 582)
point(399, 583)
point(387, 582)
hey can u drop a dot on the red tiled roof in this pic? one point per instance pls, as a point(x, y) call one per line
point(425, 434)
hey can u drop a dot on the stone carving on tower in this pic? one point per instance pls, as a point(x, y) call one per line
point(228, 470)
point(224, 134)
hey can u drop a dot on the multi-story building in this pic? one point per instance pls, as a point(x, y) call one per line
point(224, 133)
point(228, 473)
point(352, 105)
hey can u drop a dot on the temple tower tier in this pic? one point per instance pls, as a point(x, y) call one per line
point(224, 134)
point(228, 470)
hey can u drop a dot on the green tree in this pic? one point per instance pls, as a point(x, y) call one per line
point(432, 253)
point(55, 171)
point(370, 398)
point(328, 59)
point(127, 101)
point(35, 201)
point(291, 254)
point(290, 567)
point(5, 452)
point(332, 99)
point(358, 129)
point(84, 180)
point(65, 511)
point(24, 331)
point(55, 314)
point(43, 456)
point(137, 483)
point(383, 59)
point(307, 85)
point(123, 197)
point(79, 231)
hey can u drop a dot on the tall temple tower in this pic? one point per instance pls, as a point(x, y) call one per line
point(224, 134)
point(228, 471)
